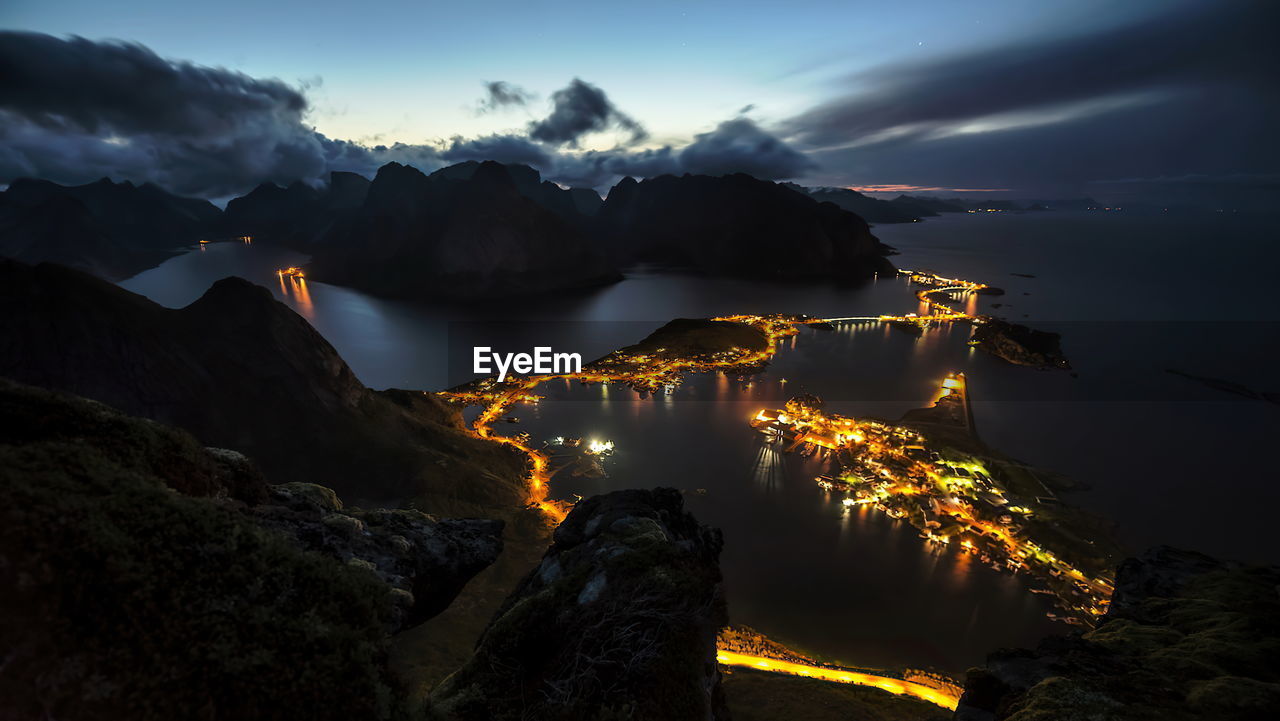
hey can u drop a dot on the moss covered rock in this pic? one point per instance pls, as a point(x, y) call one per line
point(618, 621)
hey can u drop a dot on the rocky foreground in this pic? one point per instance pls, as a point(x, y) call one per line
point(149, 577)
point(1187, 637)
point(618, 621)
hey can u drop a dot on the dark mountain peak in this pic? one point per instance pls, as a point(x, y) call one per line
point(525, 178)
point(264, 188)
point(347, 190)
point(106, 182)
point(394, 171)
point(234, 291)
point(736, 225)
point(299, 187)
point(493, 175)
point(471, 229)
point(394, 179)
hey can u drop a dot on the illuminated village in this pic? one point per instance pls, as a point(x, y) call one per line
point(952, 492)
point(928, 470)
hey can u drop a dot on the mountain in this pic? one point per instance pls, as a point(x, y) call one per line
point(114, 230)
point(573, 205)
point(1186, 637)
point(239, 370)
point(872, 210)
point(296, 215)
point(924, 207)
point(147, 576)
point(463, 232)
point(737, 225)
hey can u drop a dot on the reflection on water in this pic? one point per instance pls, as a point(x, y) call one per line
point(852, 584)
point(767, 470)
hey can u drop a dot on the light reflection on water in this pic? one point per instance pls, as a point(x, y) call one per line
point(856, 585)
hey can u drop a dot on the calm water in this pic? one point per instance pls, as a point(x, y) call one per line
point(1170, 460)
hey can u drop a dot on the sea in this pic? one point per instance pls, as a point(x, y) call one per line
point(1167, 458)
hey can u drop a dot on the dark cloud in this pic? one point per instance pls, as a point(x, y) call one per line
point(501, 94)
point(601, 168)
point(1189, 91)
point(502, 148)
point(735, 146)
point(74, 109)
point(1219, 131)
point(739, 146)
point(580, 109)
point(1207, 43)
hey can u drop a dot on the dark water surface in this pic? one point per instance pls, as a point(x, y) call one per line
point(1169, 459)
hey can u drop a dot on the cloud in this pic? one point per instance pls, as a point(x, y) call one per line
point(740, 146)
point(1190, 90)
point(74, 110)
point(735, 146)
point(1022, 83)
point(578, 110)
point(501, 94)
point(502, 148)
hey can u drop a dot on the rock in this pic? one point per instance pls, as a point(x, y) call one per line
point(31, 415)
point(135, 586)
point(1187, 637)
point(618, 621)
point(413, 553)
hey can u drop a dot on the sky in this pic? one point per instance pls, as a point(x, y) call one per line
point(1025, 99)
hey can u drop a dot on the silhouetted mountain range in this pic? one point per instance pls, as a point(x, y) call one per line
point(925, 207)
point(737, 225)
point(110, 229)
point(872, 210)
point(466, 231)
point(239, 370)
point(295, 215)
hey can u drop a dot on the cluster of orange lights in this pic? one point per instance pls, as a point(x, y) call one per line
point(870, 441)
point(647, 372)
